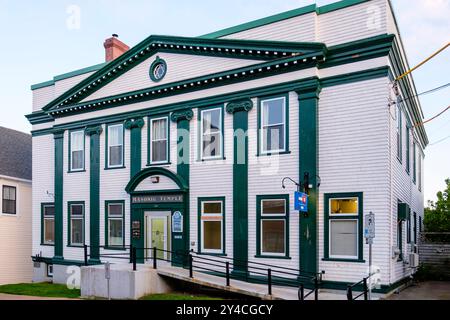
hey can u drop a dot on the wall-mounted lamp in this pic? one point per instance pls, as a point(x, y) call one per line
point(155, 180)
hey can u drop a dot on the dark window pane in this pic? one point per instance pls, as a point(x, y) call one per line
point(49, 210)
point(115, 155)
point(212, 235)
point(76, 210)
point(273, 236)
point(77, 160)
point(212, 208)
point(159, 151)
point(273, 207)
point(115, 209)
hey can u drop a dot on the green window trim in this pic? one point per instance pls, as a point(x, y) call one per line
point(359, 218)
point(399, 230)
point(69, 224)
point(399, 129)
point(149, 135)
point(70, 151)
point(200, 156)
point(43, 205)
point(408, 149)
point(107, 166)
point(408, 227)
point(415, 227)
point(286, 126)
point(414, 162)
point(260, 218)
point(107, 245)
point(200, 225)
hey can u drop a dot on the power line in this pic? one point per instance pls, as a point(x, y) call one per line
point(431, 119)
point(428, 92)
point(439, 141)
point(423, 62)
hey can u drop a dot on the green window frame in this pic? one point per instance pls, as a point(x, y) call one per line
point(408, 149)
point(415, 227)
point(108, 166)
point(109, 218)
point(9, 200)
point(408, 227)
point(45, 217)
point(202, 134)
point(399, 128)
point(150, 121)
point(261, 116)
point(335, 218)
point(262, 217)
point(71, 151)
point(414, 162)
point(208, 217)
point(70, 216)
point(399, 231)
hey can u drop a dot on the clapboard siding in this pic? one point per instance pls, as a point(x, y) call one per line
point(179, 67)
point(298, 29)
point(435, 255)
point(353, 157)
point(42, 96)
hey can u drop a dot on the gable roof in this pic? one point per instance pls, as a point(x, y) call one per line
point(15, 154)
point(241, 49)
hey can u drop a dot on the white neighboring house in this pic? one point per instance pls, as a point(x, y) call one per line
point(15, 207)
point(313, 86)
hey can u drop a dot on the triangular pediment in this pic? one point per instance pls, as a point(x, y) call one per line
point(186, 58)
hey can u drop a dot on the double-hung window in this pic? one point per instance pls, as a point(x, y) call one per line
point(211, 216)
point(211, 134)
point(273, 125)
point(9, 200)
point(272, 229)
point(159, 140)
point(115, 224)
point(343, 226)
point(77, 150)
point(76, 224)
point(48, 224)
point(115, 146)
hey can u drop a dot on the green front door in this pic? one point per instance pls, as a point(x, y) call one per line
point(157, 235)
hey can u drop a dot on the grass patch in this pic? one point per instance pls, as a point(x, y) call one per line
point(47, 290)
point(177, 296)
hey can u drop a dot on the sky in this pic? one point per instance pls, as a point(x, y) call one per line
point(40, 39)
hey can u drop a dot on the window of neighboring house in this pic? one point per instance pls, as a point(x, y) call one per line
point(414, 162)
point(211, 134)
point(115, 146)
point(273, 224)
point(48, 224)
point(212, 226)
point(159, 140)
point(9, 200)
point(408, 149)
point(77, 150)
point(273, 125)
point(399, 132)
point(115, 224)
point(343, 226)
point(76, 228)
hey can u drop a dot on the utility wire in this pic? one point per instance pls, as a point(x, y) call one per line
point(439, 141)
point(423, 62)
point(431, 119)
point(428, 92)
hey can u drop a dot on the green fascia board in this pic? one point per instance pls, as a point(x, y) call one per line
point(39, 117)
point(145, 49)
point(283, 16)
point(67, 76)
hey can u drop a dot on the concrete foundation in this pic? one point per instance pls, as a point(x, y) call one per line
point(40, 273)
point(124, 284)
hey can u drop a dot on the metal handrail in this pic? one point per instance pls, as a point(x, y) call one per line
point(364, 293)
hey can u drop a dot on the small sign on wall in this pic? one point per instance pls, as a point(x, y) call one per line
point(177, 222)
point(136, 229)
point(301, 202)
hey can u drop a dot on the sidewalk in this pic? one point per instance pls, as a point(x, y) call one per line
point(431, 290)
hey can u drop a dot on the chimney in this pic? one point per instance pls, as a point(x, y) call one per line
point(114, 48)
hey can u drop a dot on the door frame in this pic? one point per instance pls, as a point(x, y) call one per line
point(148, 216)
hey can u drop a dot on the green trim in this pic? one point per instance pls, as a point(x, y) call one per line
point(408, 149)
point(408, 228)
point(200, 200)
point(82, 130)
point(149, 136)
point(326, 227)
point(399, 123)
point(107, 166)
point(44, 204)
point(283, 16)
point(223, 98)
point(259, 218)
point(135, 127)
point(152, 69)
point(58, 191)
point(107, 203)
point(414, 162)
point(67, 75)
point(69, 223)
point(148, 172)
point(200, 133)
point(286, 126)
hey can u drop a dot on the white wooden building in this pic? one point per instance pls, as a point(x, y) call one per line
point(125, 151)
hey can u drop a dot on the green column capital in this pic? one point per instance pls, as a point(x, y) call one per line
point(135, 123)
point(178, 116)
point(94, 130)
point(310, 92)
point(239, 105)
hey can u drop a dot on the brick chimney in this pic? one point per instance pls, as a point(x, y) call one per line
point(114, 48)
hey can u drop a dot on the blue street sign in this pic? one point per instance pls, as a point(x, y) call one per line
point(301, 202)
